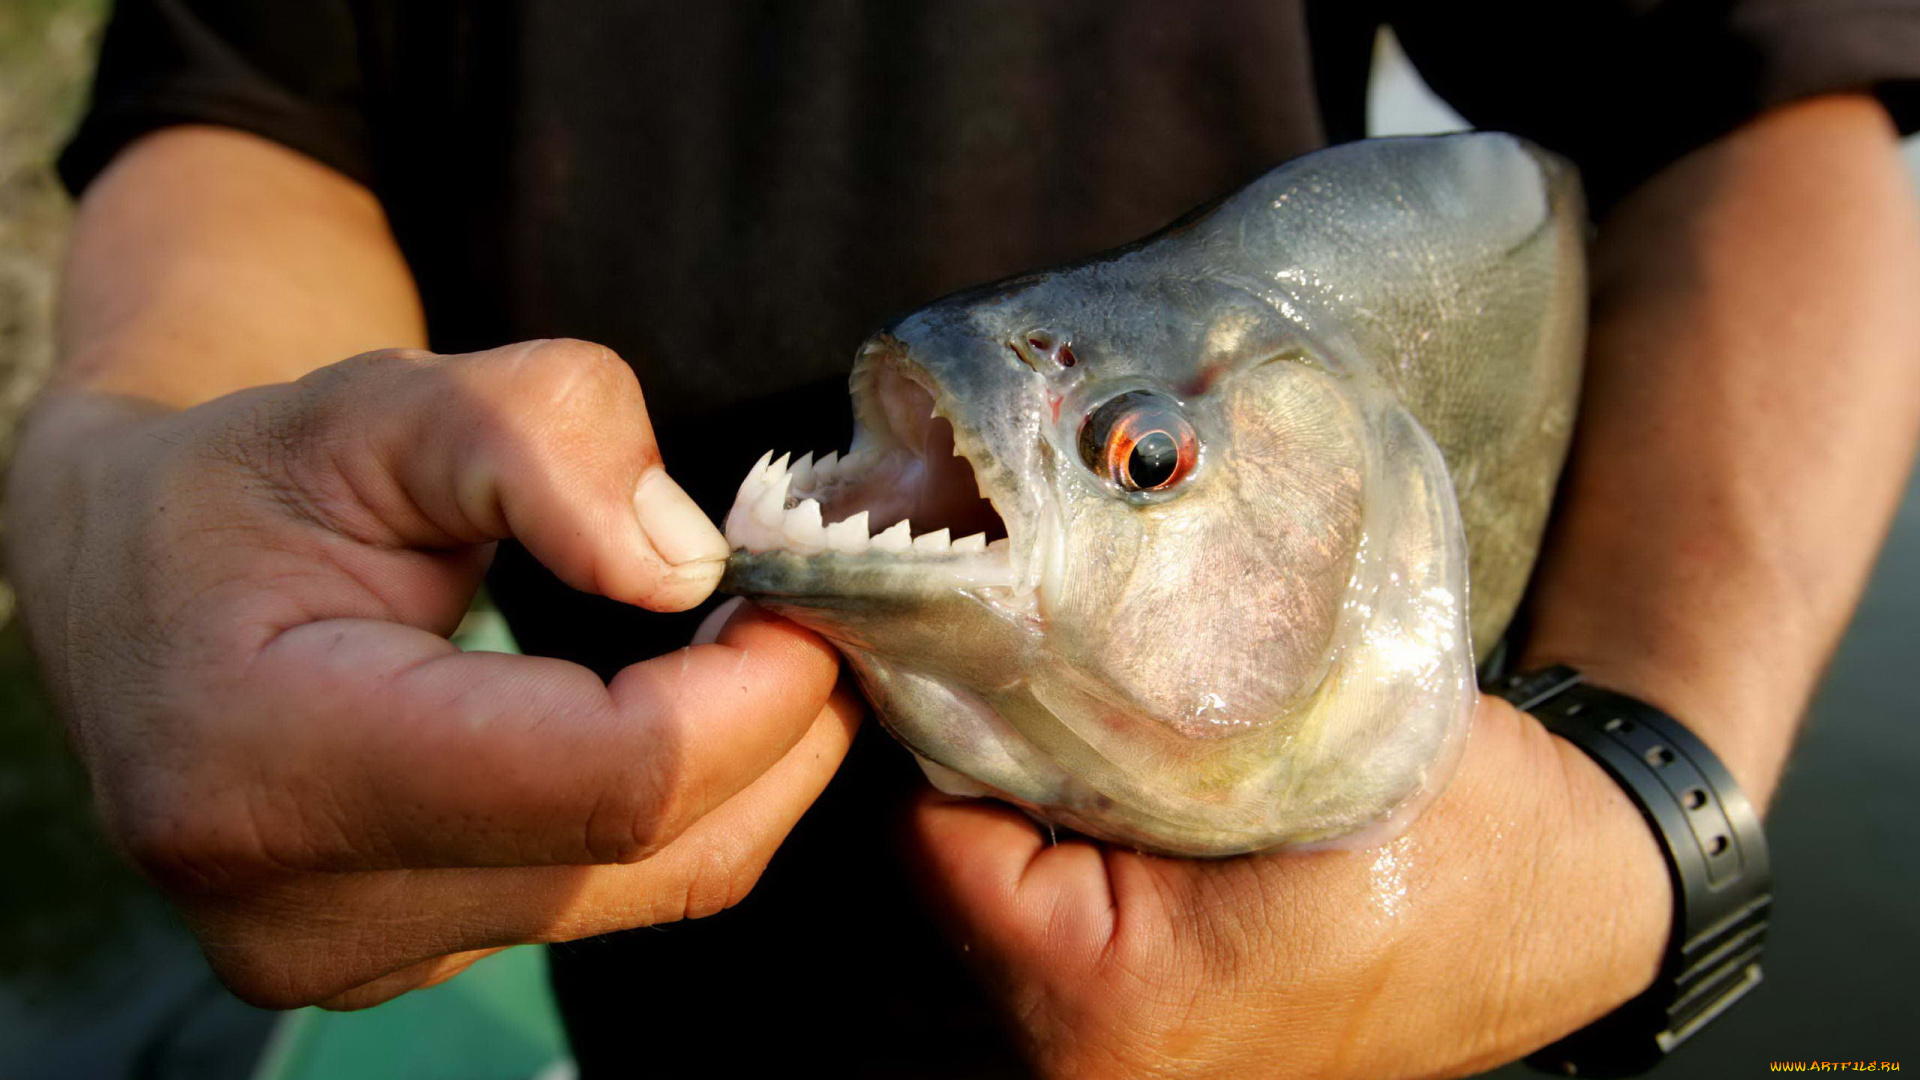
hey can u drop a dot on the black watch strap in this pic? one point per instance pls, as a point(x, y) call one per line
point(1716, 853)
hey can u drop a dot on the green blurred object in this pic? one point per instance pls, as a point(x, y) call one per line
point(495, 1021)
point(483, 628)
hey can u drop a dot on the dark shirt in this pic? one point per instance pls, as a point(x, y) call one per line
point(733, 194)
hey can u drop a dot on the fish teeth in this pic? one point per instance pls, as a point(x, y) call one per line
point(896, 539)
point(739, 527)
point(734, 529)
point(770, 509)
point(848, 537)
point(803, 529)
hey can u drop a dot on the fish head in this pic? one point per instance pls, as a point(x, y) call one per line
point(1148, 545)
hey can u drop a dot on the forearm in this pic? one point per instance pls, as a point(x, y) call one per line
point(206, 260)
point(1750, 412)
point(203, 261)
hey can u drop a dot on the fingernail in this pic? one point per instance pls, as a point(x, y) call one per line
point(716, 621)
point(674, 524)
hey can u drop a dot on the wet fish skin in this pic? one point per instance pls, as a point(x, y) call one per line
point(1378, 349)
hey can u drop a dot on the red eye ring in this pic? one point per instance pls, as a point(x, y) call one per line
point(1140, 442)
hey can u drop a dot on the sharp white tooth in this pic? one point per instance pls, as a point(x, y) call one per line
point(970, 544)
point(756, 536)
point(736, 519)
point(803, 473)
point(770, 509)
point(826, 469)
point(999, 545)
point(803, 529)
point(779, 468)
point(741, 514)
point(849, 536)
point(897, 539)
point(933, 543)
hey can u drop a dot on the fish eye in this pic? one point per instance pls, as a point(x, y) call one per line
point(1139, 441)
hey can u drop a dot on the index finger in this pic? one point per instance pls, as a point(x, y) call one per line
point(381, 746)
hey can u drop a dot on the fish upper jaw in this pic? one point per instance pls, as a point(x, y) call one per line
point(782, 506)
point(907, 505)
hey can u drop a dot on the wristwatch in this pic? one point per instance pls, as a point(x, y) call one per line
point(1716, 853)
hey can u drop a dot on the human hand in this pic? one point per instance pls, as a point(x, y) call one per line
point(1526, 901)
point(242, 608)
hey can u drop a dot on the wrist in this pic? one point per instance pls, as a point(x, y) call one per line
point(1716, 855)
point(1614, 898)
point(1745, 716)
point(57, 445)
point(1556, 906)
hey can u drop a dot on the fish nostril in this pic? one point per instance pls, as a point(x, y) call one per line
point(1043, 350)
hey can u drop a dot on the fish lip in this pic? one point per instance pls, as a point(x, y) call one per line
point(1000, 569)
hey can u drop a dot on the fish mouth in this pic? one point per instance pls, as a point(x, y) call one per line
point(905, 503)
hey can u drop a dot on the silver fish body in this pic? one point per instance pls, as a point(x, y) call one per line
point(1172, 546)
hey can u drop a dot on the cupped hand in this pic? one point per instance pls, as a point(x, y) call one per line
point(242, 608)
point(1526, 901)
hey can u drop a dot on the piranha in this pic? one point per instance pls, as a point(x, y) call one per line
point(1172, 546)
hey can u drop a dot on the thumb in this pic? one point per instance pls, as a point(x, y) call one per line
point(547, 442)
point(1006, 888)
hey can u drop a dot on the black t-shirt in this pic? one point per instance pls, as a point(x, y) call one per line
point(733, 194)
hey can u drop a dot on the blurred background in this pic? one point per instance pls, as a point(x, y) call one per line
point(97, 979)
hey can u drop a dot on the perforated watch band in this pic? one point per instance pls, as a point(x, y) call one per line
point(1716, 853)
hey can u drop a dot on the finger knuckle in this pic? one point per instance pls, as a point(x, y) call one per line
point(720, 879)
point(630, 826)
point(653, 807)
point(180, 861)
point(338, 392)
point(255, 978)
point(262, 975)
point(568, 374)
point(188, 845)
point(375, 363)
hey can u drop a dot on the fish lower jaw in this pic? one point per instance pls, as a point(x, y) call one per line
point(776, 510)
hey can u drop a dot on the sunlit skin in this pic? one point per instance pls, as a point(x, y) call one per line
point(241, 597)
point(1723, 503)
